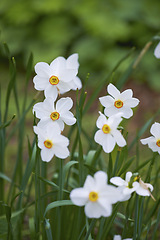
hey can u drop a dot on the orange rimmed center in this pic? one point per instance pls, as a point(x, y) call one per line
point(48, 143)
point(54, 116)
point(54, 80)
point(106, 129)
point(158, 143)
point(118, 104)
point(93, 196)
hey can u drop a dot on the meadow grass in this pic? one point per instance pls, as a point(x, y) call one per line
point(34, 195)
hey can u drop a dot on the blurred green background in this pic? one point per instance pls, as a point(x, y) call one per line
point(101, 31)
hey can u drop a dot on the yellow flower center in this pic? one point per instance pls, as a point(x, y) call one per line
point(158, 142)
point(118, 104)
point(54, 116)
point(48, 143)
point(93, 196)
point(106, 129)
point(54, 80)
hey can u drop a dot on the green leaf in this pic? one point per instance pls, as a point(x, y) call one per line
point(4, 125)
point(57, 204)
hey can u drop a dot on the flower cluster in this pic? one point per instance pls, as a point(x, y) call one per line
point(117, 105)
point(55, 79)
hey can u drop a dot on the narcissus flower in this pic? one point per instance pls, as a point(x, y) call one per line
point(96, 195)
point(126, 186)
point(144, 189)
point(108, 135)
point(51, 143)
point(153, 141)
point(51, 113)
point(157, 51)
point(55, 78)
point(118, 102)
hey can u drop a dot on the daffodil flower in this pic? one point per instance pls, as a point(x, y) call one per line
point(118, 102)
point(55, 78)
point(153, 141)
point(50, 113)
point(108, 135)
point(127, 186)
point(51, 142)
point(96, 195)
point(157, 51)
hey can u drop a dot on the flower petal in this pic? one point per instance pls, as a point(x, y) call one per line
point(51, 91)
point(157, 51)
point(111, 111)
point(155, 130)
point(101, 120)
point(68, 118)
point(79, 196)
point(147, 140)
point(43, 69)
point(89, 183)
point(128, 176)
point(61, 151)
point(47, 154)
point(109, 143)
point(101, 179)
point(95, 210)
point(107, 101)
point(40, 83)
point(113, 91)
point(118, 181)
point(126, 95)
point(131, 103)
point(119, 138)
point(64, 104)
point(72, 61)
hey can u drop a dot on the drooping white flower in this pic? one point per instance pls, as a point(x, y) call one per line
point(118, 237)
point(157, 51)
point(51, 142)
point(118, 102)
point(144, 189)
point(72, 63)
point(96, 195)
point(126, 186)
point(50, 113)
point(55, 78)
point(153, 141)
point(108, 135)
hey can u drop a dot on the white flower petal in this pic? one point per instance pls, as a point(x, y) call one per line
point(111, 111)
point(126, 95)
point(109, 143)
point(40, 83)
point(51, 91)
point(117, 237)
point(127, 112)
point(101, 120)
point(76, 83)
point(128, 176)
point(72, 61)
point(64, 104)
point(68, 118)
point(101, 179)
point(43, 69)
point(99, 137)
point(157, 51)
point(119, 138)
point(133, 102)
point(118, 181)
point(57, 65)
point(95, 210)
point(155, 130)
point(147, 140)
point(47, 154)
point(79, 196)
point(67, 75)
point(89, 183)
point(107, 101)
point(113, 91)
point(61, 151)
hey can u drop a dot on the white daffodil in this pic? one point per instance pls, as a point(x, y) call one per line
point(108, 135)
point(50, 113)
point(55, 78)
point(144, 189)
point(118, 237)
point(153, 141)
point(157, 51)
point(126, 186)
point(51, 143)
point(72, 63)
point(96, 195)
point(118, 102)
